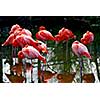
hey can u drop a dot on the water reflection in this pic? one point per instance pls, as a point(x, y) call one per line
point(89, 70)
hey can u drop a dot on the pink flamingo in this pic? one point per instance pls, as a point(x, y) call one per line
point(30, 52)
point(80, 50)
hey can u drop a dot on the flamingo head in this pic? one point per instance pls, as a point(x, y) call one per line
point(42, 28)
point(13, 28)
point(74, 37)
point(76, 42)
point(20, 55)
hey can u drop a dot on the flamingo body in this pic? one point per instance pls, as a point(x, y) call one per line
point(64, 34)
point(30, 52)
point(80, 49)
point(87, 38)
point(44, 35)
point(22, 40)
point(26, 32)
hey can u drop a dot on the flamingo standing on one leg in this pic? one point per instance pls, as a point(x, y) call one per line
point(87, 39)
point(31, 53)
point(80, 50)
point(63, 36)
point(44, 35)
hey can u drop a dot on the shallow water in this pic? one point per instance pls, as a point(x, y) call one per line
point(6, 69)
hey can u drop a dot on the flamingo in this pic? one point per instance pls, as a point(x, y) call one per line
point(64, 34)
point(30, 52)
point(44, 35)
point(22, 31)
point(16, 29)
point(14, 32)
point(80, 50)
point(87, 38)
point(22, 39)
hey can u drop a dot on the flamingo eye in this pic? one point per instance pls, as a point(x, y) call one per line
point(40, 43)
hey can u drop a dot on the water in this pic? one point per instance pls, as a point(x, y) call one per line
point(6, 69)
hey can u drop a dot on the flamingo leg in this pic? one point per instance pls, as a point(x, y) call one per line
point(32, 73)
point(24, 69)
point(39, 69)
point(32, 76)
point(12, 54)
point(42, 73)
point(66, 55)
point(81, 67)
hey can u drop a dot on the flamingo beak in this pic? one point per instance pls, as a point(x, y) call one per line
point(45, 50)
